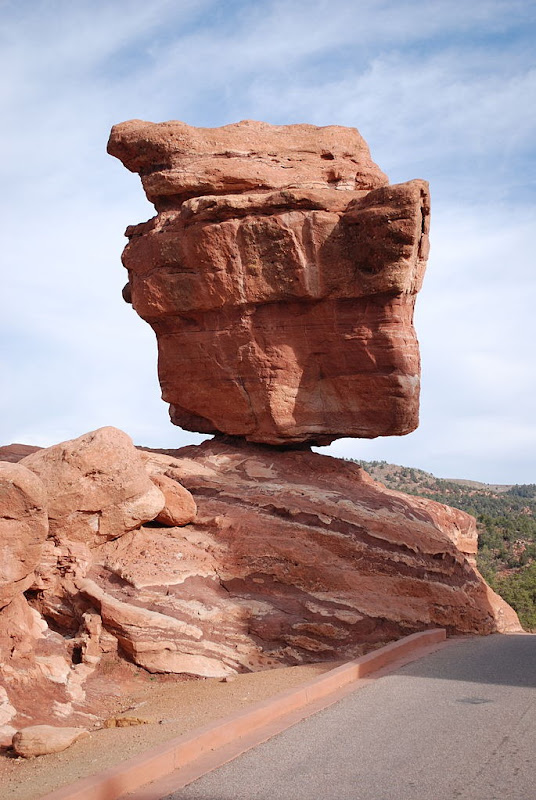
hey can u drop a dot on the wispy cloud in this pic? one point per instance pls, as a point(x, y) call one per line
point(443, 91)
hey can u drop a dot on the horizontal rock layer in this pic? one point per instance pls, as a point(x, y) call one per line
point(303, 557)
point(282, 300)
point(253, 557)
point(178, 161)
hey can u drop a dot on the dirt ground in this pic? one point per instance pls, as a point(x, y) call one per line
point(164, 709)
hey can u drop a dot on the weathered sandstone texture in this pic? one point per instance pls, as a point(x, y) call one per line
point(97, 486)
point(280, 276)
point(23, 529)
point(57, 506)
point(247, 557)
point(38, 740)
point(296, 557)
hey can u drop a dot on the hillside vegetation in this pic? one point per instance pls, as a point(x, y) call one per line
point(506, 517)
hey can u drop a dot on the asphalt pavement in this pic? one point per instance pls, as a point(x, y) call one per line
point(459, 724)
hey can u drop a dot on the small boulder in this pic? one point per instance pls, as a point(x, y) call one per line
point(180, 508)
point(39, 740)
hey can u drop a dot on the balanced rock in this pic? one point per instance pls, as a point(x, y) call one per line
point(280, 276)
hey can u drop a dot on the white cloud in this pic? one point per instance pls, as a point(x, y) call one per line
point(440, 90)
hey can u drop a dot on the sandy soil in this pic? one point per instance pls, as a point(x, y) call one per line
point(166, 709)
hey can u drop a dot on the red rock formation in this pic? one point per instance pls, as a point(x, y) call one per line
point(279, 276)
point(23, 529)
point(14, 452)
point(180, 507)
point(79, 493)
point(178, 161)
point(39, 681)
point(291, 557)
point(97, 487)
point(35, 663)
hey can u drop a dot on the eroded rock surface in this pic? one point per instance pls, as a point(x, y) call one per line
point(264, 557)
point(37, 676)
point(296, 557)
point(97, 486)
point(280, 276)
point(23, 528)
point(56, 508)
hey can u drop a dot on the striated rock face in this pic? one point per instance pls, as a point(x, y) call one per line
point(294, 557)
point(280, 276)
point(253, 557)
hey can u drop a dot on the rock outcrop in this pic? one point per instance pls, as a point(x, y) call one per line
point(297, 557)
point(15, 451)
point(247, 557)
point(280, 276)
point(97, 487)
point(23, 529)
point(57, 505)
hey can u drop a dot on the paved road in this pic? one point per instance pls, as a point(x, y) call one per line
point(459, 724)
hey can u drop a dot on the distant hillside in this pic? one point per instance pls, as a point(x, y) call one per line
point(506, 517)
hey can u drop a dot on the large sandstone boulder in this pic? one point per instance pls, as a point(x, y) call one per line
point(92, 489)
point(280, 276)
point(97, 486)
point(23, 528)
point(37, 680)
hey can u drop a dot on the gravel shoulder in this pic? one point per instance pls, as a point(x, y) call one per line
point(159, 711)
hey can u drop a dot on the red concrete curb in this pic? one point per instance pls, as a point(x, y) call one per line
point(183, 751)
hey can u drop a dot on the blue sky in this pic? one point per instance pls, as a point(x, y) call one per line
point(444, 91)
